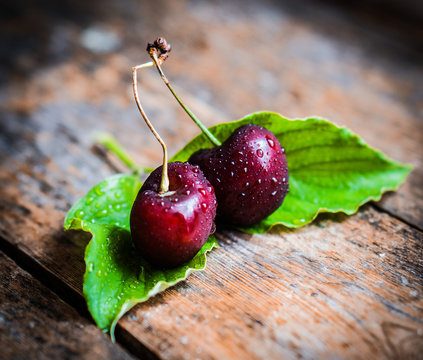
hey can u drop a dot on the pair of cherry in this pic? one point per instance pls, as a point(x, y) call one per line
point(243, 180)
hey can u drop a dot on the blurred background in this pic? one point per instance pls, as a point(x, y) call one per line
point(65, 71)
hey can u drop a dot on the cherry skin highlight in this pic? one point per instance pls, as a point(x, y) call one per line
point(169, 229)
point(249, 173)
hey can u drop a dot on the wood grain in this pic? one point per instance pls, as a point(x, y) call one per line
point(36, 324)
point(355, 281)
point(344, 287)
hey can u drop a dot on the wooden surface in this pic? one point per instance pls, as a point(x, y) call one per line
point(343, 287)
point(36, 324)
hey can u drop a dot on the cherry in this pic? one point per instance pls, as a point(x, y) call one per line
point(169, 228)
point(173, 213)
point(248, 171)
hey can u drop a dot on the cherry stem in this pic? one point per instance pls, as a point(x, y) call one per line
point(205, 131)
point(164, 184)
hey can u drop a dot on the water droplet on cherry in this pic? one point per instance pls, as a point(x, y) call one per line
point(270, 142)
point(202, 192)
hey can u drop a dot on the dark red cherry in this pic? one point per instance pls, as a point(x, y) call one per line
point(249, 174)
point(169, 229)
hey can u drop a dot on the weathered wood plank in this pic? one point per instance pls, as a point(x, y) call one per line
point(355, 281)
point(36, 324)
point(343, 287)
point(346, 287)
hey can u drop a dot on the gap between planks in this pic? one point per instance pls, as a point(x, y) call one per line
point(71, 297)
point(34, 320)
point(384, 210)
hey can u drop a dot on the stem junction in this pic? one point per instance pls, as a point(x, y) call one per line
point(160, 46)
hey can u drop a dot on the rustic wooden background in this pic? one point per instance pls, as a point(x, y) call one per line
point(343, 287)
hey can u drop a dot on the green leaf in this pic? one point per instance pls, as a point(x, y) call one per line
point(116, 277)
point(330, 168)
point(107, 203)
